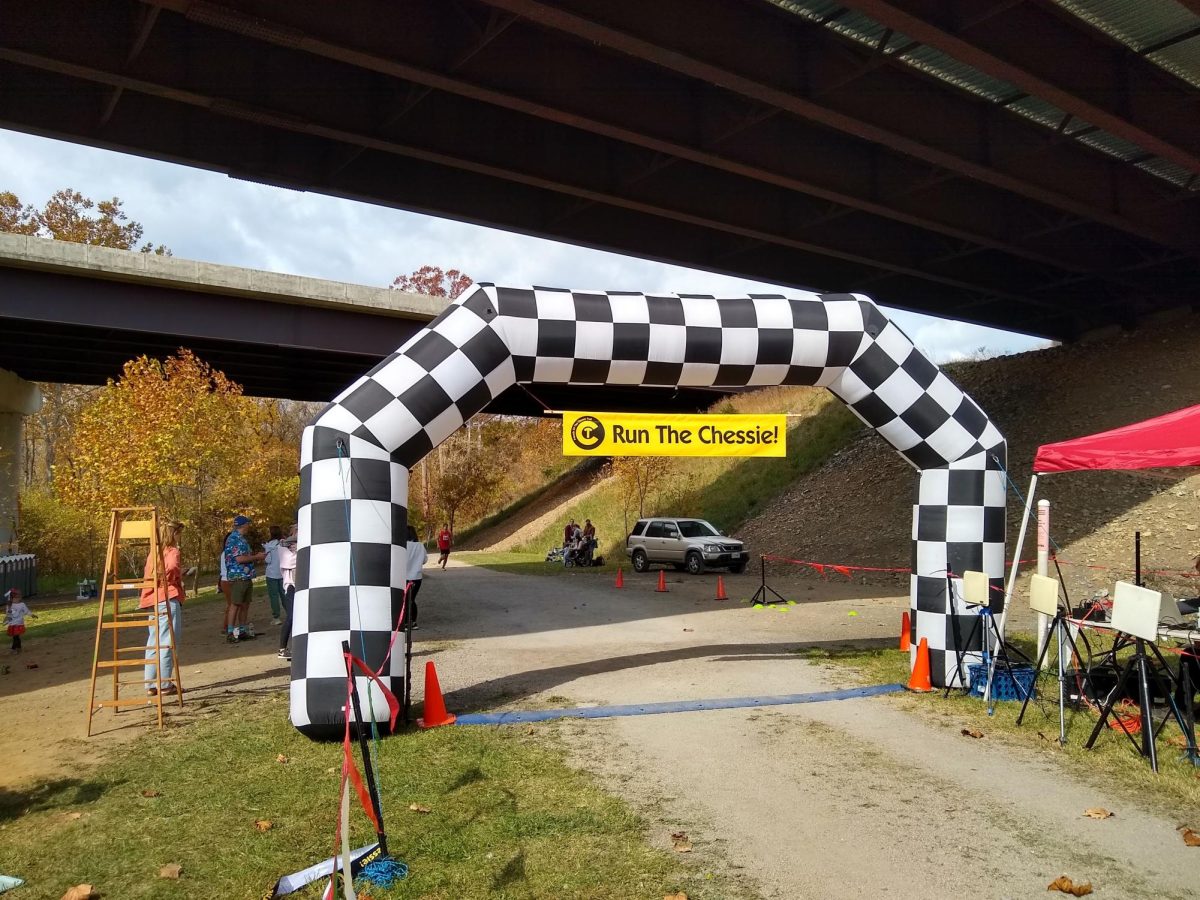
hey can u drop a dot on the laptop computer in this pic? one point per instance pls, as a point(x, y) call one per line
point(1171, 611)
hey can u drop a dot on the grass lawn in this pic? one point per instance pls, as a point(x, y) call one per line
point(507, 817)
point(1112, 763)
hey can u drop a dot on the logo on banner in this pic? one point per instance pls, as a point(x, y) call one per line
point(646, 434)
point(587, 433)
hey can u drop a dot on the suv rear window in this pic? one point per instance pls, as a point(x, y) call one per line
point(638, 528)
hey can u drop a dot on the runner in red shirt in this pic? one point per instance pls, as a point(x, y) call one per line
point(443, 541)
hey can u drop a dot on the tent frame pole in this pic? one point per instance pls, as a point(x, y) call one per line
point(1012, 584)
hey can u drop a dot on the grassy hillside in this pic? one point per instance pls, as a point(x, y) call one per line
point(725, 491)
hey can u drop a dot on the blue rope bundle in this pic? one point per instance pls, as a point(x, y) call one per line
point(383, 873)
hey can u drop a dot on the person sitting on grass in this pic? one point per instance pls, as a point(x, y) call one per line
point(15, 614)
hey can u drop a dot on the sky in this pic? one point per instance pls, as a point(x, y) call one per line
point(209, 216)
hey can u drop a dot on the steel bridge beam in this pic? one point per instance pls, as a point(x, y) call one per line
point(1058, 58)
point(906, 111)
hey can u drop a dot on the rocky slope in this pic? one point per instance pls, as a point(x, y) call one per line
point(857, 508)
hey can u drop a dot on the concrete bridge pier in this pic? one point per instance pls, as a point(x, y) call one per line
point(18, 398)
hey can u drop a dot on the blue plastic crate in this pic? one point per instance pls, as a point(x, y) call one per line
point(1004, 686)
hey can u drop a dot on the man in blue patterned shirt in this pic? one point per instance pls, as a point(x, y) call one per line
point(239, 571)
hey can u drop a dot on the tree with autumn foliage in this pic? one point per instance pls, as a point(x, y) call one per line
point(70, 216)
point(639, 479)
point(433, 282)
point(179, 435)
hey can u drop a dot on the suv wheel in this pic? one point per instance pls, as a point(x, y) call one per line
point(694, 563)
point(640, 563)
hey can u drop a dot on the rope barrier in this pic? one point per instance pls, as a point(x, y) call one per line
point(845, 569)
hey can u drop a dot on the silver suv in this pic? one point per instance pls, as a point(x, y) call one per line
point(691, 544)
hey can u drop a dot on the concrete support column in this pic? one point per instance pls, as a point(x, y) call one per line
point(18, 398)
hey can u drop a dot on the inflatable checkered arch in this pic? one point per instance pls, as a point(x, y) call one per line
point(356, 455)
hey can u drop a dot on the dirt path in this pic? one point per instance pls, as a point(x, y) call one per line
point(840, 799)
point(45, 709)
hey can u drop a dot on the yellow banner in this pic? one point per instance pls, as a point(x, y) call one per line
point(649, 434)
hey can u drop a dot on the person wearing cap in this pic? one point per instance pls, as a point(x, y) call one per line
point(165, 596)
point(239, 571)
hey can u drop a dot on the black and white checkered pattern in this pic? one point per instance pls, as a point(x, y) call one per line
point(356, 456)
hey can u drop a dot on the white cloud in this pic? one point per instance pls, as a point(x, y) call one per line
point(208, 216)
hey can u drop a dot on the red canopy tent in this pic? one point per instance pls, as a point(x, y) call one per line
point(1170, 440)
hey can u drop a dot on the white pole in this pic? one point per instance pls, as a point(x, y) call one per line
point(1016, 560)
point(1012, 583)
point(1043, 566)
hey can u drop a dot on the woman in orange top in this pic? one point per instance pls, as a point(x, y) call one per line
point(167, 597)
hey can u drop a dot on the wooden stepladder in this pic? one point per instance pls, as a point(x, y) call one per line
point(133, 531)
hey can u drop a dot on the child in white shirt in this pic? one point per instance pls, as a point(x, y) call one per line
point(15, 613)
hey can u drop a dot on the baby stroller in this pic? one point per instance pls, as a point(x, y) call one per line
point(554, 555)
point(579, 556)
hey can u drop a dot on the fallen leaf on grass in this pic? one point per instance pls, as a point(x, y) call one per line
point(689, 629)
point(1191, 838)
point(418, 808)
point(80, 892)
point(971, 733)
point(680, 842)
point(31, 665)
point(171, 870)
point(150, 792)
point(680, 896)
point(1067, 886)
point(1177, 740)
point(72, 816)
point(263, 824)
point(1097, 812)
point(282, 759)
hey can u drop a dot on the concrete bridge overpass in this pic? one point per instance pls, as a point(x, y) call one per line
point(74, 313)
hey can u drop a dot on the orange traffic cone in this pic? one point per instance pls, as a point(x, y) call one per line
point(721, 595)
point(662, 582)
point(905, 627)
point(435, 706)
point(919, 681)
point(620, 578)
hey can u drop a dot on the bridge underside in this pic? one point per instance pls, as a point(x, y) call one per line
point(63, 328)
point(947, 164)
